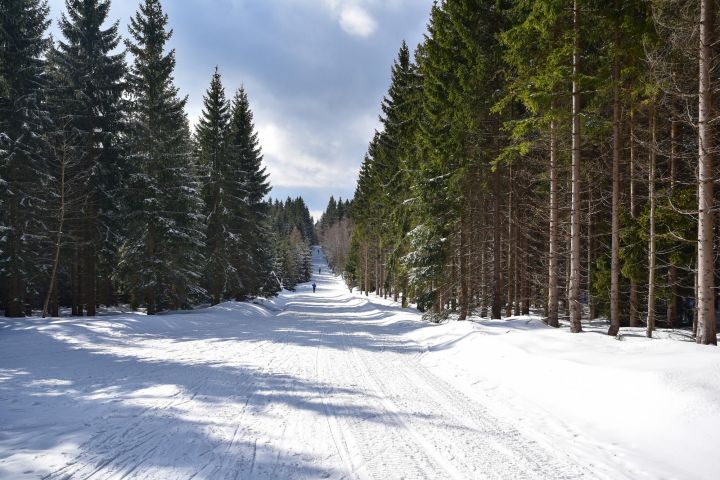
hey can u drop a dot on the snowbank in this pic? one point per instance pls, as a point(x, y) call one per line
point(635, 407)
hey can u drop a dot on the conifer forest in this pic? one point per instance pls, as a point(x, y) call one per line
point(549, 155)
point(359, 239)
point(108, 195)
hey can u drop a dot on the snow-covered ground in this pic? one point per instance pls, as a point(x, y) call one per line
point(336, 385)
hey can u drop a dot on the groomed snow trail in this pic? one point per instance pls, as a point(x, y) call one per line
point(320, 385)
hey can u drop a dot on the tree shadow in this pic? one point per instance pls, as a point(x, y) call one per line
point(98, 384)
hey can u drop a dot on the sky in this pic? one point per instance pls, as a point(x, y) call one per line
point(315, 72)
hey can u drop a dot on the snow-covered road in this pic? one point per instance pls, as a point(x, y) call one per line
point(308, 386)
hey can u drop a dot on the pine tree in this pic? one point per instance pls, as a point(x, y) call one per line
point(253, 259)
point(88, 105)
point(23, 172)
point(538, 76)
point(161, 258)
point(293, 233)
point(437, 206)
point(212, 138)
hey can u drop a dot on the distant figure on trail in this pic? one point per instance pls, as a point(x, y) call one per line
point(314, 287)
point(320, 270)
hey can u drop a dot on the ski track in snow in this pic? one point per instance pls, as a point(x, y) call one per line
point(324, 387)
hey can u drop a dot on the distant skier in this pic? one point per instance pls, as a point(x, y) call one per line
point(320, 270)
point(314, 287)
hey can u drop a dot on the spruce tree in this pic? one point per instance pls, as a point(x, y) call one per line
point(538, 78)
point(23, 123)
point(88, 106)
point(161, 258)
point(212, 135)
point(249, 186)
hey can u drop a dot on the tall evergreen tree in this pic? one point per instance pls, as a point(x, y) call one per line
point(539, 75)
point(23, 173)
point(249, 180)
point(219, 192)
point(161, 258)
point(88, 105)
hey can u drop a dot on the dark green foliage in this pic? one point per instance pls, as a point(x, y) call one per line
point(292, 214)
point(251, 222)
point(106, 197)
point(161, 258)
point(212, 135)
point(24, 174)
point(293, 236)
point(88, 108)
point(453, 199)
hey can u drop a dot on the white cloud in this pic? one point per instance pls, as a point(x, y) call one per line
point(356, 21)
point(290, 166)
point(353, 17)
point(316, 214)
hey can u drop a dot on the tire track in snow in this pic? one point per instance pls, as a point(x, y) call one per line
point(112, 451)
point(479, 444)
point(387, 446)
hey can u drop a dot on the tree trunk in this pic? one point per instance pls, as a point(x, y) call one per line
point(510, 248)
point(484, 280)
point(576, 206)
point(55, 301)
point(378, 272)
point(672, 310)
point(615, 228)
point(553, 273)
point(590, 257)
point(706, 328)
point(497, 250)
point(464, 300)
point(52, 289)
point(634, 302)
point(525, 272)
point(651, 246)
point(367, 260)
point(90, 262)
point(517, 280)
point(77, 308)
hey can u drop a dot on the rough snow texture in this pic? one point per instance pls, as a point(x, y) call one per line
point(334, 385)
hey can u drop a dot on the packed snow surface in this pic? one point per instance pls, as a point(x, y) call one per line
point(337, 385)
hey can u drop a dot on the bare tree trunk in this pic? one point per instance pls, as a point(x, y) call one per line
point(526, 276)
point(55, 301)
point(77, 308)
point(576, 206)
point(552, 308)
point(672, 310)
point(90, 260)
point(695, 309)
point(706, 331)
point(615, 229)
point(510, 249)
point(590, 256)
point(463, 271)
point(377, 272)
point(56, 257)
point(484, 280)
point(517, 248)
point(367, 266)
point(634, 313)
point(497, 250)
point(651, 247)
